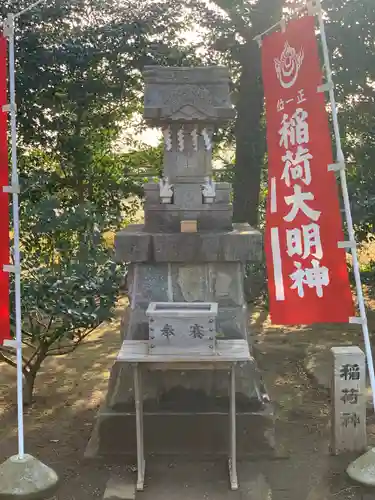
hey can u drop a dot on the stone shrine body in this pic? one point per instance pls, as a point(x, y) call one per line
point(189, 257)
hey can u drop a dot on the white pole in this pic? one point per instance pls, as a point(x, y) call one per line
point(344, 186)
point(28, 8)
point(282, 21)
point(16, 233)
point(14, 189)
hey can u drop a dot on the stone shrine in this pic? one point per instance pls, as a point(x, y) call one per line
point(189, 253)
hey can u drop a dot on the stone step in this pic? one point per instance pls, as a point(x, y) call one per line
point(182, 434)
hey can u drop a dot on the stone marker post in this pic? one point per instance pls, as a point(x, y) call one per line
point(348, 400)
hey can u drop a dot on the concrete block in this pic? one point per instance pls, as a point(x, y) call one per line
point(186, 390)
point(167, 218)
point(149, 284)
point(231, 246)
point(217, 217)
point(132, 244)
point(152, 192)
point(227, 282)
point(188, 195)
point(190, 283)
point(26, 479)
point(232, 322)
point(119, 489)
point(223, 192)
point(137, 323)
point(348, 413)
point(189, 434)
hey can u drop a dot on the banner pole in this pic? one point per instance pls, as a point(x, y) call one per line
point(14, 189)
point(23, 476)
point(16, 235)
point(283, 20)
point(345, 194)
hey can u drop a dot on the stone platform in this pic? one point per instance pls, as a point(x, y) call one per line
point(191, 434)
point(240, 244)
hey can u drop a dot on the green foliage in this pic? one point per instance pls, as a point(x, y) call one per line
point(351, 31)
point(368, 277)
point(78, 81)
point(69, 282)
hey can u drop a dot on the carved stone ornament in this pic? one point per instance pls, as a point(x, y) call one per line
point(208, 190)
point(166, 190)
point(187, 95)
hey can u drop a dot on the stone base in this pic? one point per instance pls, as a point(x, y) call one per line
point(27, 479)
point(167, 218)
point(119, 489)
point(192, 435)
point(362, 469)
point(221, 283)
point(242, 244)
point(187, 391)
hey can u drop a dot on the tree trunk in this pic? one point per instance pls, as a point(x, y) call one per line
point(28, 387)
point(250, 140)
point(250, 146)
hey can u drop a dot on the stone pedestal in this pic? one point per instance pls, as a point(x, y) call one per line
point(186, 411)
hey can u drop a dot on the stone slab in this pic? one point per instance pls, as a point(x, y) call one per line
point(187, 195)
point(202, 282)
point(190, 283)
point(148, 283)
point(167, 218)
point(227, 283)
point(189, 390)
point(137, 323)
point(208, 247)
point(192, 435)
point(134, 245)
point(232, 322)
point(119, 489)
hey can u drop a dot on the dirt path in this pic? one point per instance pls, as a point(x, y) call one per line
point(70, 390)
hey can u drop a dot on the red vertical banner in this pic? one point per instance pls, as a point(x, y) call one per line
point(4, 198)
point(307, 271)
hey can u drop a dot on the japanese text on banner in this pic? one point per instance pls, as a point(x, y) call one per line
point(307, 273)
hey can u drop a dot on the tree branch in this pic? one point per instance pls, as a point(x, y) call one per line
point(10, 351)
point(7, 360)
point(56, 351)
